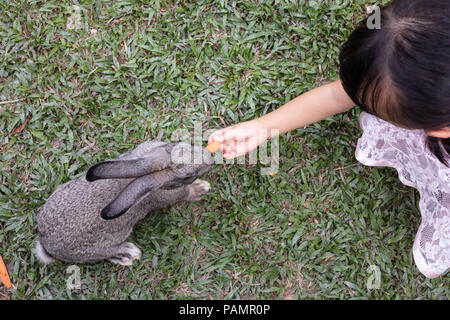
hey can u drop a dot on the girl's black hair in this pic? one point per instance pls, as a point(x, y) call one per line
point(401, 71)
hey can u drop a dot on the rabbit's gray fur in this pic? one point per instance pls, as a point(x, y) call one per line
point(71, 227)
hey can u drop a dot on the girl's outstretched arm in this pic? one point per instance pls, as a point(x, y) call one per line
point(312, 106)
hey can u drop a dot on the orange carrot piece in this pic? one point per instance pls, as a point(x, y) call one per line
point(4, 274)
point(213, 146)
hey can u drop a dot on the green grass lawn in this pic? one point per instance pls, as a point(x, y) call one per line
point(132, 70)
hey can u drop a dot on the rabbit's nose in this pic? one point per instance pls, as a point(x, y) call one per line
point(191, 155)
point(201, 156)
point(207, 157)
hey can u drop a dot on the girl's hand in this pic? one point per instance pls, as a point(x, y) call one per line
point(239, 139)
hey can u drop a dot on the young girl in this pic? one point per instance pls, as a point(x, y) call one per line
point(400, 76)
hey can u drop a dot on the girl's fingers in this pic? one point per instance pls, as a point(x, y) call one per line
point(235, 149)
point(234, 141)
point(218, 135)
point(214, 136)
point(230, 155)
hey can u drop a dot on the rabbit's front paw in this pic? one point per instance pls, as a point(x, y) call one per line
point(197, 189)
point(126, 253)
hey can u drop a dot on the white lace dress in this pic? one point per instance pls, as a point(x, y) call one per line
point(383, 144)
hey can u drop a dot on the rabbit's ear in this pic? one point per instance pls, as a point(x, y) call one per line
point(134, 168)
point(134, 191)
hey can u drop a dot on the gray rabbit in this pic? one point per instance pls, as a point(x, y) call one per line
point(89, 219)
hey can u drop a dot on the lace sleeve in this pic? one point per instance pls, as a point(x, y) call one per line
point(383, 144)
